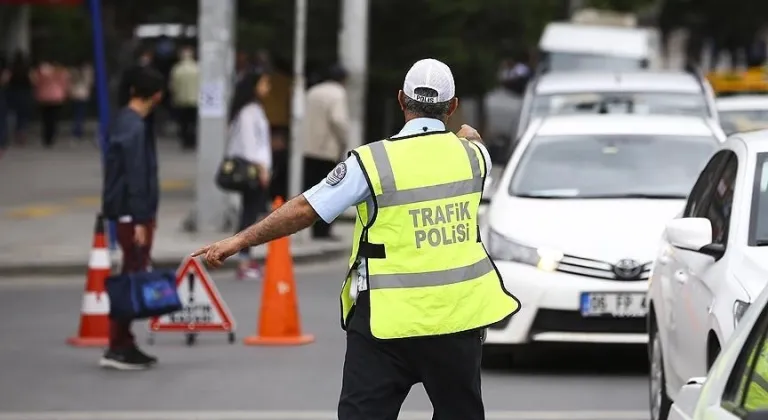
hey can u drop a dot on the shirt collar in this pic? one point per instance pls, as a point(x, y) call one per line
point(420, 126)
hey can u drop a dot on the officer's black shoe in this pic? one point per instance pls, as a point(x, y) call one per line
point(126, 359)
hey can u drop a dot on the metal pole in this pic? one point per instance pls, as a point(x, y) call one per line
point(215, 46)
point(296, 168)
point(102, 95)
point(353, 51)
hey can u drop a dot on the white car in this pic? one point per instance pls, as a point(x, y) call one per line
point(648, 92)
point(575, 219)
point(711, 263)
point(743, 113)
point(737, 385)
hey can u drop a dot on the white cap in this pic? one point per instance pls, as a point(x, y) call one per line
point(431, 74)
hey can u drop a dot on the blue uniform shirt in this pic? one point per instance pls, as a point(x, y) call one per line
point(330, 201)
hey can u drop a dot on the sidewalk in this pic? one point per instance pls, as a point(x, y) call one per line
point(49, 200)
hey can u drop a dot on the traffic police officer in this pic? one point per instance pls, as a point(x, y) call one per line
point(420, 288)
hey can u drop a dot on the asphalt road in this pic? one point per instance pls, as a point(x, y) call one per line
point(44, 378)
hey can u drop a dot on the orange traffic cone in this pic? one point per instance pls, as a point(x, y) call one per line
point(94, 314)
point(279, 318)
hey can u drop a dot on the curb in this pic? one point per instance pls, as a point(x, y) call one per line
point(162, 263)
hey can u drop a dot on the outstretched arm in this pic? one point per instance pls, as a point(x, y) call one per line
point(288, 219)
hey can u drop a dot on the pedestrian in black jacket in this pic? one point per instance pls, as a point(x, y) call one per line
point(131, 196)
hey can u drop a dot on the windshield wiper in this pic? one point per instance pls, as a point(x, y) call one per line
point(636, 195)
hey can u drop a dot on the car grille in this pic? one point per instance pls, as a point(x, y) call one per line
point(599, 269)
point(550, 320)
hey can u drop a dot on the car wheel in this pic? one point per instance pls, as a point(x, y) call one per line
point(660, 402)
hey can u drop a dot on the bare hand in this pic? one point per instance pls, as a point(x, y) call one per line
point(469, 133)
point(140, 235)
point(215, 254)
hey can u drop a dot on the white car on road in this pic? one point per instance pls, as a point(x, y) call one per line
point(576, 216)
point(737, 385)
point(711, 263)
point(743, 113)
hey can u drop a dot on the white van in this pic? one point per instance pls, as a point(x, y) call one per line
point(574, 46)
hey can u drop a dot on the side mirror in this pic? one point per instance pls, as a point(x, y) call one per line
point(693, 234)
point(488, 190)
point(757, 415)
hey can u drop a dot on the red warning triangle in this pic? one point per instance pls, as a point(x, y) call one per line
point(204, 309)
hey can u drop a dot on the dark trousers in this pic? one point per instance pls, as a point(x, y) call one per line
point(134, 259)
point(49, 116)
point(187, 119)
point(79, 112)
point(253, 206)
point(378, 374)
point(3, 120)
point(315, 170)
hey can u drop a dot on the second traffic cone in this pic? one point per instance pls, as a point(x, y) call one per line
point(279, 315)
point(94, 313)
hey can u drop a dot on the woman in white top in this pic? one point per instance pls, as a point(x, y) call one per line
point(249, 139)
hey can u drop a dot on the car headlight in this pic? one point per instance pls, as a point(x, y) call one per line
point(739, 308)
point(504, 249)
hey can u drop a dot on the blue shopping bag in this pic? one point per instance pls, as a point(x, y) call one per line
point(142, 295)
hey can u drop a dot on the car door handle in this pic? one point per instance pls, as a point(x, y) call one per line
point(681, 276)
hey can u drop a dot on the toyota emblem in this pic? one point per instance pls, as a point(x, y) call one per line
point(627, 269)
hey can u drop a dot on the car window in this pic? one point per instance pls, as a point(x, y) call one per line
point(719, 209)
point(610, 166)
point(744, 120)
point(758, 219)
point(663, 103)
point(705, 182)
point(747, 386)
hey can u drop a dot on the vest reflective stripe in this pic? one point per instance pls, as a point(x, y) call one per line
point(394, 197)
point(454, 275)
point(427, 271)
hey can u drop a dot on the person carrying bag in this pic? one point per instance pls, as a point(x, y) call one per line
point(131, 198)
point(247, 164)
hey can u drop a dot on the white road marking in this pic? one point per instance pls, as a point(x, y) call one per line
point(310, 415)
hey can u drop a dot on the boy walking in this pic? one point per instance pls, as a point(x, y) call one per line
point(131, 197)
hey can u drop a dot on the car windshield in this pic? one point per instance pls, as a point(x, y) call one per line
point(743, 120)
point(560, 61)
point(759, 222)
point(617, 102)
point(611, 166)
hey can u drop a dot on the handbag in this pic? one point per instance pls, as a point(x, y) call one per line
point(236, 174)
point(143, 294)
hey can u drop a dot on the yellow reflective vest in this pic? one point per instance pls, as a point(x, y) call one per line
point(427, 270)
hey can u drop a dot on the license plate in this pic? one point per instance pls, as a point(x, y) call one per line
point(620, 305)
